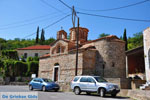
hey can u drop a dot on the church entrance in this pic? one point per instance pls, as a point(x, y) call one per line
point(56, 72)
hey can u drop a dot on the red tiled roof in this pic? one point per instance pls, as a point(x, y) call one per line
point(58, 40)
point(45, 56)
point(36, 47)
point(113, 37)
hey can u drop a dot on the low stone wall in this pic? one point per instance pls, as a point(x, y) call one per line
point(123, 83)
point(136, 94)
point(15, 81)
point(65, 86)
point(18, 83)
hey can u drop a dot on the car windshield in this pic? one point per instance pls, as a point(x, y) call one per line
point(100, 79)
point(47, 80)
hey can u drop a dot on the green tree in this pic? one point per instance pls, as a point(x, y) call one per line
point(37, 35)
point(23, 59)
point(42, 36)
point(135, 41)
point(103, 35)
point(125, 39)
point(29, 59)
point(49, 41)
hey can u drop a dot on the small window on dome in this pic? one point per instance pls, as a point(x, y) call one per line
point(58, 49)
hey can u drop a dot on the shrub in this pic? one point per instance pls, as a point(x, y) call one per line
point(8, 68)
point(20, 68)
point(19, 79)
point(23, 59)
point(10, 54)
point(36, 59)
point(29, 59)
point(32, 68)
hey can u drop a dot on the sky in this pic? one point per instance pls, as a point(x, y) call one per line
point(20, 18)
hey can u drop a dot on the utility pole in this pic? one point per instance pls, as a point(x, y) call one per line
point(77, 36)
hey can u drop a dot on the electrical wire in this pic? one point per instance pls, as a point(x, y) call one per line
point(28, 23)
point(65, 4)
point(139, 20)
point(49, 25)
point(51, 6)
point(28, 20)
point(134, 4)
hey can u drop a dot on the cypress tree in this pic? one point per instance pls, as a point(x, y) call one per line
point(37, 35)
point(125, 39)
point(42, 36)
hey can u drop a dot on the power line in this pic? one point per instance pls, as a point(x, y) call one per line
point(50, 25)
point(140, 20)
point(27, 20)
point(65, 4)
point(57, 21)
point(134, 4)
point(28, 23)
point(51, 6)
point(72, 9)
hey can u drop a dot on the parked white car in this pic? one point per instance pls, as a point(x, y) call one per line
point(91, 84)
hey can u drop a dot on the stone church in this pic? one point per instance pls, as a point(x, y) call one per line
point(103, 57)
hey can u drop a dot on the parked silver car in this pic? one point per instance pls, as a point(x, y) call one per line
point(91, 84)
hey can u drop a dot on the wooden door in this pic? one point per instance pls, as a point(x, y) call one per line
point(56, 74)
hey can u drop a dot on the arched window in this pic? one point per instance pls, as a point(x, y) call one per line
point(58, 49)
point(56, 64)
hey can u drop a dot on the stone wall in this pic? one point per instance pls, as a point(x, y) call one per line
point(139, 94)
point(146, 36)
point(66, 63)
point(31, 53)
point(63, 46)
point(123, 83)
point(89, 61)
point(110, 58)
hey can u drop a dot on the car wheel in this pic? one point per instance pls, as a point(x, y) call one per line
point(77, 90)
point(30, 87)
point(43, 88)
point(88, 93)
point(102, 92)
point(113, 95)
point(56, 90)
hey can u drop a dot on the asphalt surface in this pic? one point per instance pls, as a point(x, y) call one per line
point(58, 95)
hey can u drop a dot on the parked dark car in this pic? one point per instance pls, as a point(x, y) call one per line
point(43, 84)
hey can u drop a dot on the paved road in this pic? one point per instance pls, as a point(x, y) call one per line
point(58, 95)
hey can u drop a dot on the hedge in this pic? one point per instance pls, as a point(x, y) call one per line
point(20, 68)
point(10, 54)
point(32, 68)
point(13, 68)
